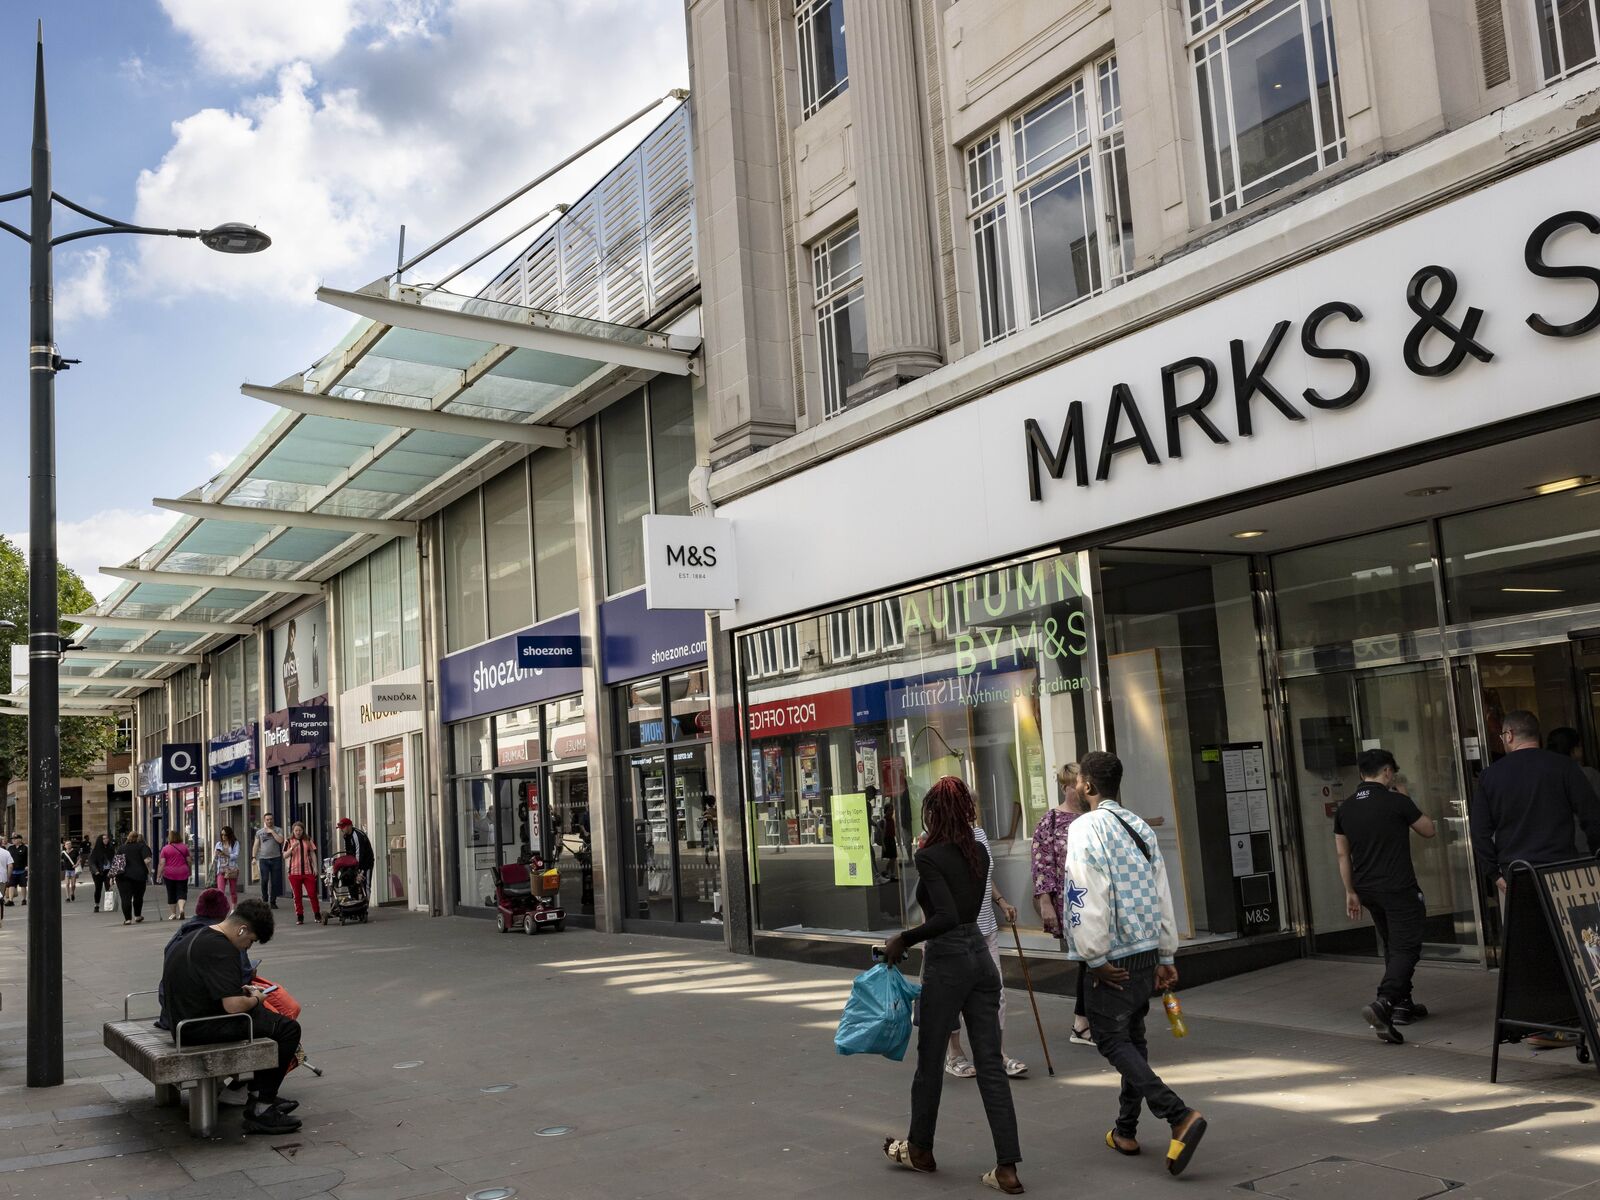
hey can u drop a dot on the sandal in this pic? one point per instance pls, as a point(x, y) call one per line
point(898, 1151)
point(1082, 1037)
point(992, 1179)
point(1182, 1148)
point(1111, 1140)
point(960, 1066)
point(1015, 1069)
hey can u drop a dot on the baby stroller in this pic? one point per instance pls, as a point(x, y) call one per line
point(348, 892)
point(527, 896)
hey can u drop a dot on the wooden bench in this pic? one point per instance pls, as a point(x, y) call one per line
point(171, 1066)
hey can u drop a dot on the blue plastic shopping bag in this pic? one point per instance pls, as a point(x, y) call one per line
point(877, 1017)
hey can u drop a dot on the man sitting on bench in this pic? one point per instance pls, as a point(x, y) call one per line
point(203, 978)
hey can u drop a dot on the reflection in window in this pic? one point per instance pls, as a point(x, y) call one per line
point(1525, 557)
point(824, 72)
point(1269, 101)
point(1569, 32)
point(1375, 585)
point(841, 316)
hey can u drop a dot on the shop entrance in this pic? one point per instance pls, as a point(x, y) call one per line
point(1405, 709)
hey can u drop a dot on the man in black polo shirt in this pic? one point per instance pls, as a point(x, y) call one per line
point(1529, 804)
point(203, 977)
point(1372, 832)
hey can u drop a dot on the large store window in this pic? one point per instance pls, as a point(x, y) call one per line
point(1188, 720)
point(1047, 195)
point(508, 538)
point(380, 615)
point(1524, 557)
point(668, 813)
point(521, 788)
point(819, 25)
point(841, 316)
point(985, 678)
point(647, 451)
point(1269, 99)
point(1355, 597)
point(465, 613)
point(1569, 33)
point(555, 562)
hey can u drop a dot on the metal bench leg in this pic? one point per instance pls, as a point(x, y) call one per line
point(166, 1095)
point(203, 1108)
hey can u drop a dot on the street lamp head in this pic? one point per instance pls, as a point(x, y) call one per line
point(235, 238)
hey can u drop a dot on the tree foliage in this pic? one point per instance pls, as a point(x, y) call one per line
point(85, 741)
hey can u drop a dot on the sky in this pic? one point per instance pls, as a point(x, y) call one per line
point(326, 123)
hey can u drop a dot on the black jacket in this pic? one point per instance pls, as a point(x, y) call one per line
point(359, 846)
point(1523, 811)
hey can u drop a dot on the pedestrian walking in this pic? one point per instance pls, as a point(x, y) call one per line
point(1121, 923)
point(1372, 835)
point(100, 855)
point(70, 857)
point(959, 979)
point(1049, 882)
point(131, 869)
point(18, 879)
point(269, 859)
point(175, 874)
point(225, 864)
point(956, 1062)
point(1528, 807)
point(5, 873)
point(301, 856)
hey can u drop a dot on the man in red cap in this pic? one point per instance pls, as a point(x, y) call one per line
point(358, 846)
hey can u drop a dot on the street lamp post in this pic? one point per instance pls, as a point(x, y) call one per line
point(44, 642)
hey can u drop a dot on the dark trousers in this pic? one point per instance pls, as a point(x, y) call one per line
point(1117, 1018)
point(132, 898)
point(1080, 1008)
point(177, 890)
point(271, 878)
point(264, 1023)
point(959, 982)
point(99, 890)
point(1399, 917)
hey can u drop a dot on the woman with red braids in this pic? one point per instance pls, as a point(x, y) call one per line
point(959, 980)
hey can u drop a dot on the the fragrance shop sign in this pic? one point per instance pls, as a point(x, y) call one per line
point(382, 709)
point(1459, 320)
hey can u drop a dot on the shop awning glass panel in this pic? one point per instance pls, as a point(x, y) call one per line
point(76, 667)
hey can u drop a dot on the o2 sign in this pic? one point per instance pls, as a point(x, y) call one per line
point(180, 763)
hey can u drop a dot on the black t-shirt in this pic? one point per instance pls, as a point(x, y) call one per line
point(200, 972)
point(948, 892)
point(19, 856)
point(1378, 823)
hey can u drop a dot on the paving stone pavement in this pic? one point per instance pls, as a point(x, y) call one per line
point(683, 1071)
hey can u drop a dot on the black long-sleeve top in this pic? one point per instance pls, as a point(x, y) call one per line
point(1524, 807)
point(947, 892)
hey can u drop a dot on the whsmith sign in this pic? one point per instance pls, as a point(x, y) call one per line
point(1379, 354)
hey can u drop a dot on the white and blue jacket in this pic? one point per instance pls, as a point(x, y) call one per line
point(1118, 905)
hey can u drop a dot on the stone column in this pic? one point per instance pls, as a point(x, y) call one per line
point(892, 196)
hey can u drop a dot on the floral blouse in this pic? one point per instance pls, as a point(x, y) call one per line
point(1050, 857)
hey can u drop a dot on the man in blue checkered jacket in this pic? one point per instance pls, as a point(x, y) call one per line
point(1120, 922)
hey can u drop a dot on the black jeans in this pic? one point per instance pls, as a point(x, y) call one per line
point(177, 890)
point(271, 878)
point(132, 898)
point(1116, 1018)
point(264, 1023)
point(99, 889)
point(1399, 917)
point(959, 981)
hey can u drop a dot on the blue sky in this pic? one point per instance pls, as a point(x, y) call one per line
point(327, 123)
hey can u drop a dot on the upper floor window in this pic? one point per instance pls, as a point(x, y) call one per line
point(772, 652)
point(823, 71)
point(1569, 34)
point(1047, 195)
point(841, 316)
point(1269, 96)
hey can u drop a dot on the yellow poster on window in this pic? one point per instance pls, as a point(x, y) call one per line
point(852, 841)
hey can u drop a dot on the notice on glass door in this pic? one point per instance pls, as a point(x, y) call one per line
point(1238, 813)
point(1244, 862)
point(1233, 770)
point(1260, 812)
point(1255, 768)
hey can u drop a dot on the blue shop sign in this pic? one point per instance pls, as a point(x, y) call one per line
point(233, 753)
point(640, 640)
point(536, 650)
point(487, 678)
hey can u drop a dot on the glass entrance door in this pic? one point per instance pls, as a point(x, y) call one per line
point(1405, 710)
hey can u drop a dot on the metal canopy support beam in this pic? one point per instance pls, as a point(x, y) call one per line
point(537, 334)
point(209, 511)
point(134, 656)
point(241, 583)
point(159, 624)
point(401, 417)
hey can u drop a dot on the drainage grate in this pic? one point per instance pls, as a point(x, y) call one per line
point(1338, 1178)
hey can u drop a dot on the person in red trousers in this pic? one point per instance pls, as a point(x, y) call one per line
point(300, 857)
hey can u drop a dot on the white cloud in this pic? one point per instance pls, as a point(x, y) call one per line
point(433, 109)
point(220, 460)
point(84, 288)
point(247, 38)
point(106, 539)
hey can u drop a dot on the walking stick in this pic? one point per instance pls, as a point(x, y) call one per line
point(1028, 979)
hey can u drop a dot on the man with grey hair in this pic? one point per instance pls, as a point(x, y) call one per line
point(1526, 803)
